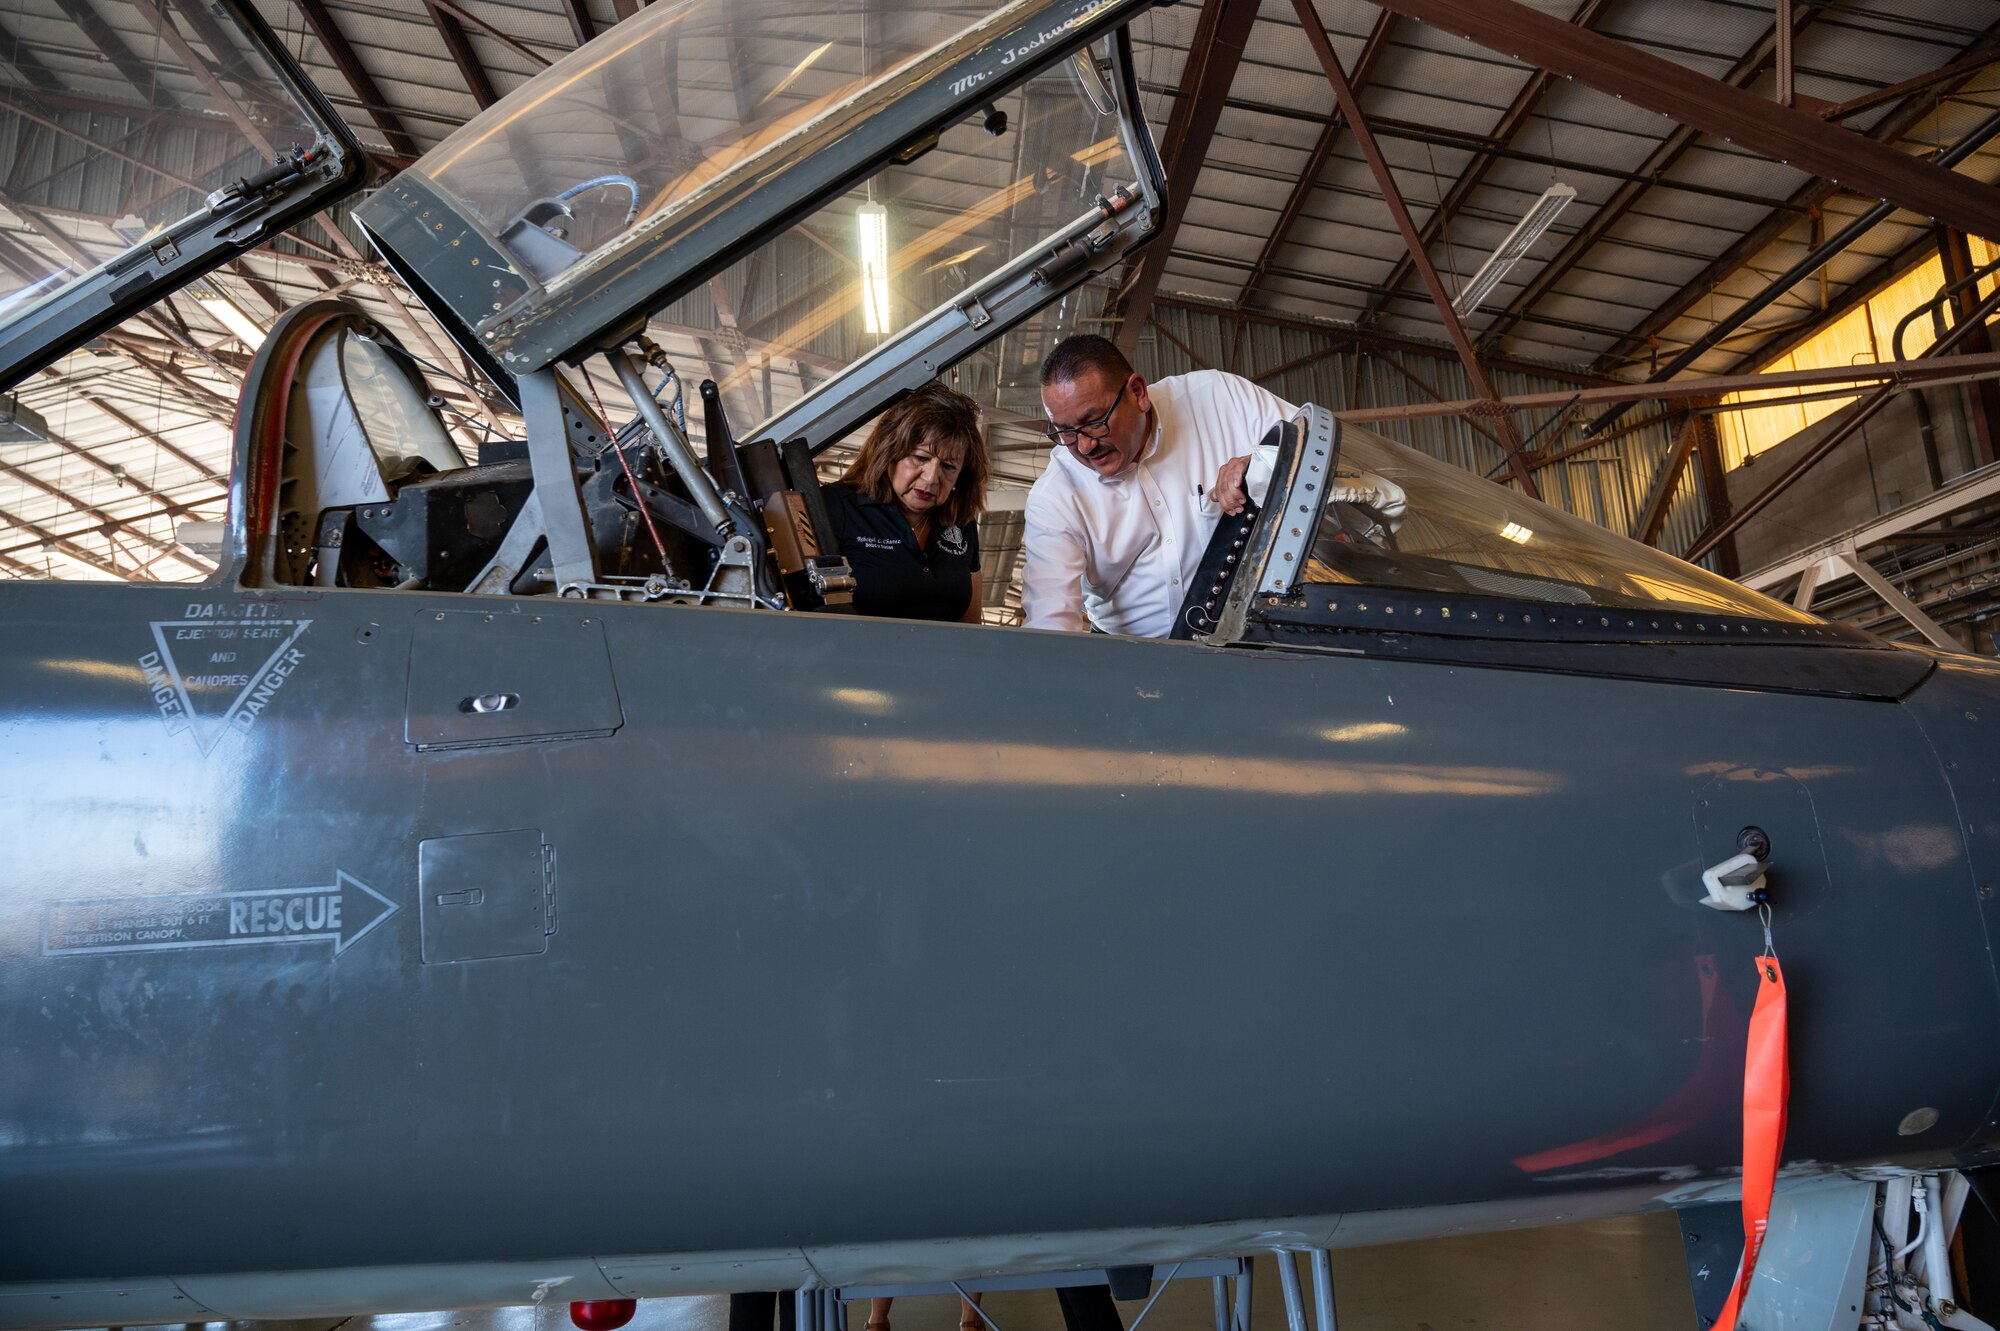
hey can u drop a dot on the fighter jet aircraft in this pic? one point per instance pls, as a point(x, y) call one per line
point(515, 876)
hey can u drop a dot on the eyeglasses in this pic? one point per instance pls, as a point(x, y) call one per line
point(1096, 428)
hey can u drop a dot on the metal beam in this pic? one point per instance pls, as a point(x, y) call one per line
point(349, 64)
point(264, 290)
point(1378, 341)
point(1300, 362)
point(81, 554)
point(200, 397)
point(580, 24)
point(111, 470)
point(1783, 54)
point(155, 438)
point(1808, 584)
point(238, 66)
point(219, 95)
point(14, 106)
point(1985, 405)
point(1775, 343)
point(459, 47)
point(1614, 209)
point(28, 478)
point(24, 570)
point(1509, 125)
point(1435, 396)
point(1778, 132)
point(1220, 35)
point(1666, 484)
point(1388, 127)
point(1308, 181)
point(1855, 417)
point(22, 57)
point(1715, 489)
point(730, 335)
point(500, 35)
point(1891, 128)
point(1972, 489)
point(1798, 272)
point(1385, 181)
point(1181, 346)
point(143, 76)
point(1902, 373)
point(141, 572)
point(1898, 602)
point(1541, 458)
point(1963, 67)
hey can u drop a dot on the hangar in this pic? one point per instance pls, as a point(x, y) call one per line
point(439, 455)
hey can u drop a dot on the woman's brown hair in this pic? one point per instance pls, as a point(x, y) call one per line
point(933, 415)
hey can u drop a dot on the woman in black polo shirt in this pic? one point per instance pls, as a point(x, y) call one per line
point(906, 514)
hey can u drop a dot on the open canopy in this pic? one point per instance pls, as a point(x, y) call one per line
point(654, 156)
point(197, 123)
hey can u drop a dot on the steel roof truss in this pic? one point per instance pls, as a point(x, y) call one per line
point(1504, 132)
point(1857, 415)
point(1220, 36)
point(459, 47)
point(1308, 181)
point(33, 481)
point(143, 77)
point(344, 59)
point(1385, 181)
point(1793, 137)
point(1888, 130)
point(1658, 162)
point(580, 22)
point(82, 554)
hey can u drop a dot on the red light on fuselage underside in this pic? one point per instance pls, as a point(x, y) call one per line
point(602, 1314)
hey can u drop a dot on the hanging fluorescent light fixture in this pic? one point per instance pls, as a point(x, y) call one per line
point(227, 313)
point(874, 228)
point(1512, 250)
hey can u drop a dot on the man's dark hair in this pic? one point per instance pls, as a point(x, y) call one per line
point(1085, 351)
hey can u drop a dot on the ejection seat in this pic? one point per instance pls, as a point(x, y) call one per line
point(352, 480)
point(348, 467)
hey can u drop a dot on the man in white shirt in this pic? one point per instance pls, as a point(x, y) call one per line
point(1140, 476)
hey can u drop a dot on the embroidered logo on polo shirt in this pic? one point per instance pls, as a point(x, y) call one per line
point(952, 541)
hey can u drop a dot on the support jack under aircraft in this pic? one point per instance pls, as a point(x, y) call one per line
point(514, 875)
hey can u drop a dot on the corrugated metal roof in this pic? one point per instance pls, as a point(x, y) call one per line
point(1429, 86)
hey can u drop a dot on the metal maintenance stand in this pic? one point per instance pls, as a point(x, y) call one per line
point(824, 1308)
point(1322, 1278)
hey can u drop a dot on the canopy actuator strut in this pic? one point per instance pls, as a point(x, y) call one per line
point(674, 444)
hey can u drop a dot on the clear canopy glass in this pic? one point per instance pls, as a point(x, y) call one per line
point(117, 120)
point(682, 108)
point(1461, 535)
point(804, 306)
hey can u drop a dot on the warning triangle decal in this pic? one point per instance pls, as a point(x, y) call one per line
point(216, 665)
